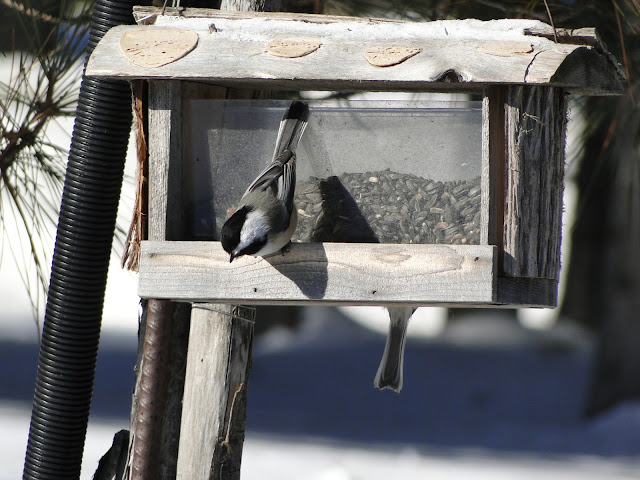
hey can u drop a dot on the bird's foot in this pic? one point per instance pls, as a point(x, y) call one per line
point(286, 249)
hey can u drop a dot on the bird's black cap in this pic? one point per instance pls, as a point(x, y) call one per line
point(230, 233)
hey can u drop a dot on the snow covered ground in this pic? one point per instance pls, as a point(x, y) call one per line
point(484, 398)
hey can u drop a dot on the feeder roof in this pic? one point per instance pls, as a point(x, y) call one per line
point(319, 52)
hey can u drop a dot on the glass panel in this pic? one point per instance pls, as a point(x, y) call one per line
point(387, 171)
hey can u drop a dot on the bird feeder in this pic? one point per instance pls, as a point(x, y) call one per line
point(399, 202)
point(446, 206)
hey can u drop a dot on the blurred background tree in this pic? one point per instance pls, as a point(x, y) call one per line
point(42, 46)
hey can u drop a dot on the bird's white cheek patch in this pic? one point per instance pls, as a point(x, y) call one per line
point(255, 226)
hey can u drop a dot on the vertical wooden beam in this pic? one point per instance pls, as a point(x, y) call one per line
point(523, 151)
point(535, 122)
point(493, 169)
point(216, 379)
point(165, 160)
point(215, 394)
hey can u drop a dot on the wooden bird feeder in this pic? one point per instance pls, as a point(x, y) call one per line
point(484, 181)
point(403, 202)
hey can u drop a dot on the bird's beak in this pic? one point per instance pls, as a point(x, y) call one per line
point(231, 257)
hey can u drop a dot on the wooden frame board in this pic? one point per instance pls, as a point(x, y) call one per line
point(320, 273)
point(335, 274)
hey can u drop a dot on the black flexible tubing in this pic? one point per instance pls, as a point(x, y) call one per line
point(71, 330)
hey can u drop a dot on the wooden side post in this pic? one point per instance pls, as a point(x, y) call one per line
point(165, 160)
point(522, 177)
point(215, 394)
point(493, 168)
point(535, 123)
point(523, 154)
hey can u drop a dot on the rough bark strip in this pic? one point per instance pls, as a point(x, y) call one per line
point(535, 123)
point(152, 387)
point(138, 226)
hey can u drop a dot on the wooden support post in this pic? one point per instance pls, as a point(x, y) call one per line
point(215, 395)
point(165, 160)
point(535, 123)
point(493, 169)
point(523, 153)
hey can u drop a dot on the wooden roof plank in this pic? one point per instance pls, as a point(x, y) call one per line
point(236, 49)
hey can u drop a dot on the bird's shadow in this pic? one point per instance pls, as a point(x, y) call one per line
point(340, 220)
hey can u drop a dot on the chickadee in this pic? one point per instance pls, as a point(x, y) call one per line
point(390, 370)
point(266, 216)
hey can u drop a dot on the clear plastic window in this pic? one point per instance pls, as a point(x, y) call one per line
point(367, 171)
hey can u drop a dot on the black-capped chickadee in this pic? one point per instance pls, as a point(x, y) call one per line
point(390, 370)
point(266, 216)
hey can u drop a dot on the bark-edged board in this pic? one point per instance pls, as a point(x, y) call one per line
point(455, 55)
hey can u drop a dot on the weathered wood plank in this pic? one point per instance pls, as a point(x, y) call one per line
point(535, 125)
point(493, 168)
point(146, 15)
point(233, 52)
point(165, 160)
point(329, 273)
point(213, 417)
point(585, 36)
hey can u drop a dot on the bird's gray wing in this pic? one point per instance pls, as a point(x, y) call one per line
point(272, 175)
point(287, 182)
point(280, 174)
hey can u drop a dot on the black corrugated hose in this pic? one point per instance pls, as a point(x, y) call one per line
point(71, 331)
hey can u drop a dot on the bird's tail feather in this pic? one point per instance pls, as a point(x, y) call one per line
point(389, 373)
point(292, 126)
